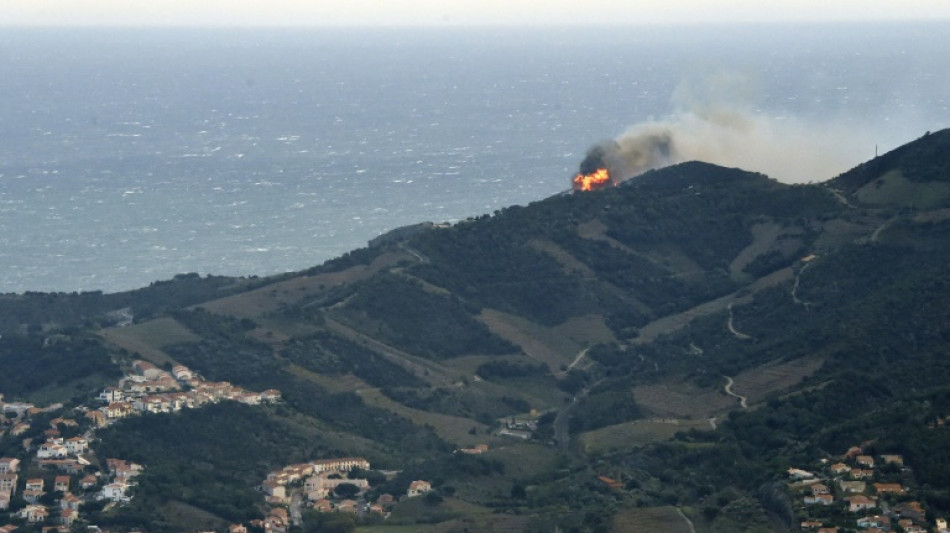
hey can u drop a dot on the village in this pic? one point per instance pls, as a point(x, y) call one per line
point(327, 485)
point(53, 479)
point(860, 491)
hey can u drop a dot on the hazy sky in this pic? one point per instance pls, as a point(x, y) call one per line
point(454, 12)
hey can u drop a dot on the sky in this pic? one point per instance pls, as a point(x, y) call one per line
point(454, 12)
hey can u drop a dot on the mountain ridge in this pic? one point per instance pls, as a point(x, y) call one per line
point(760, 317)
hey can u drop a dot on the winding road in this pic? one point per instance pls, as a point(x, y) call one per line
point(798, 278)
point(728, 388)
point(732, 329)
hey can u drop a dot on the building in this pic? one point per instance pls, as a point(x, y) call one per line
point(34, 513)
point(8, 483)
point(418, 488)
point(274, 490)
point(860, 503)
point(76, 445)
point(52, 450)
point(340, 465)
point(9, 465)
point(115, 492)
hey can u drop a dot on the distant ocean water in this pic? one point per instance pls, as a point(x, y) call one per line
point(128, 156)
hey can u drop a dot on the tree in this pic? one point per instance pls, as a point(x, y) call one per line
point(316, 522)
point(346, 490)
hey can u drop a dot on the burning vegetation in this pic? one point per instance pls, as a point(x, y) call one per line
point(611, 162)
point(593, 173)
point(597, 179)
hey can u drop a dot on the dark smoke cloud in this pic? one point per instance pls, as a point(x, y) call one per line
point(719, 124)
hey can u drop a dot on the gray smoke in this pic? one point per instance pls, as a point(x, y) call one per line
point(719, 125)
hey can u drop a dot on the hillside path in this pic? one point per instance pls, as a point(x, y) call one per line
point(841, 198)
point(580, 356)
point(798, 278)
point(728, 388)
point(670, 323)
point(689, 523)
point(884, 225)
point(732, 329)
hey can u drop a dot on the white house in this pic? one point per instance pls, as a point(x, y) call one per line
point(51, 450)
point(115, 492)
point(111, 395)
point(76, 445)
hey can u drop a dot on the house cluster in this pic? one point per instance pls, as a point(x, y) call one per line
point(146, 388)
point(62, 515)
point(153, 390)
point(314, 485)
point(121, 474)
point(860, 491)
point(15, 416)
point(319, 480)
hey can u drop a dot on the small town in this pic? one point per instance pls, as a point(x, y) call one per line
point(326, 485)
point(63, 474)
point(860, 491)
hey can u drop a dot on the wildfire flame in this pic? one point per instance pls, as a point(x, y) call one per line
point(595, 180)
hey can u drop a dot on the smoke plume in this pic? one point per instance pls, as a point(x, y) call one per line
point(719, 124)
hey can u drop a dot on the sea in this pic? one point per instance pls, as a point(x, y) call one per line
point(128, 156)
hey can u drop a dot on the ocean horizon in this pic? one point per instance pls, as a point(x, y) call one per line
point(128, 156)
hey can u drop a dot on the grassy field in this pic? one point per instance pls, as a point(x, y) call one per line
point(759, 383)
point(526, 459)
point(148, 338)
point(546, 345)
point(181, 515)
point(453, 429)
point(682, 400)
point(652, 519)
point(765, 238)
point(253, 304)
point(637, 433)
point(894, 188)
point(483, 522)
point(347, 383)
point(568, 262)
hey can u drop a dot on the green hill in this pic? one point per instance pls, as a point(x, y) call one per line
point(690, 335)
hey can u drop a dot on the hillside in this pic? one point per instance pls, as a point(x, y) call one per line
point(688, 335)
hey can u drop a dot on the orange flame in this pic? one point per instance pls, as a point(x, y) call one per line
point(595, 180)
